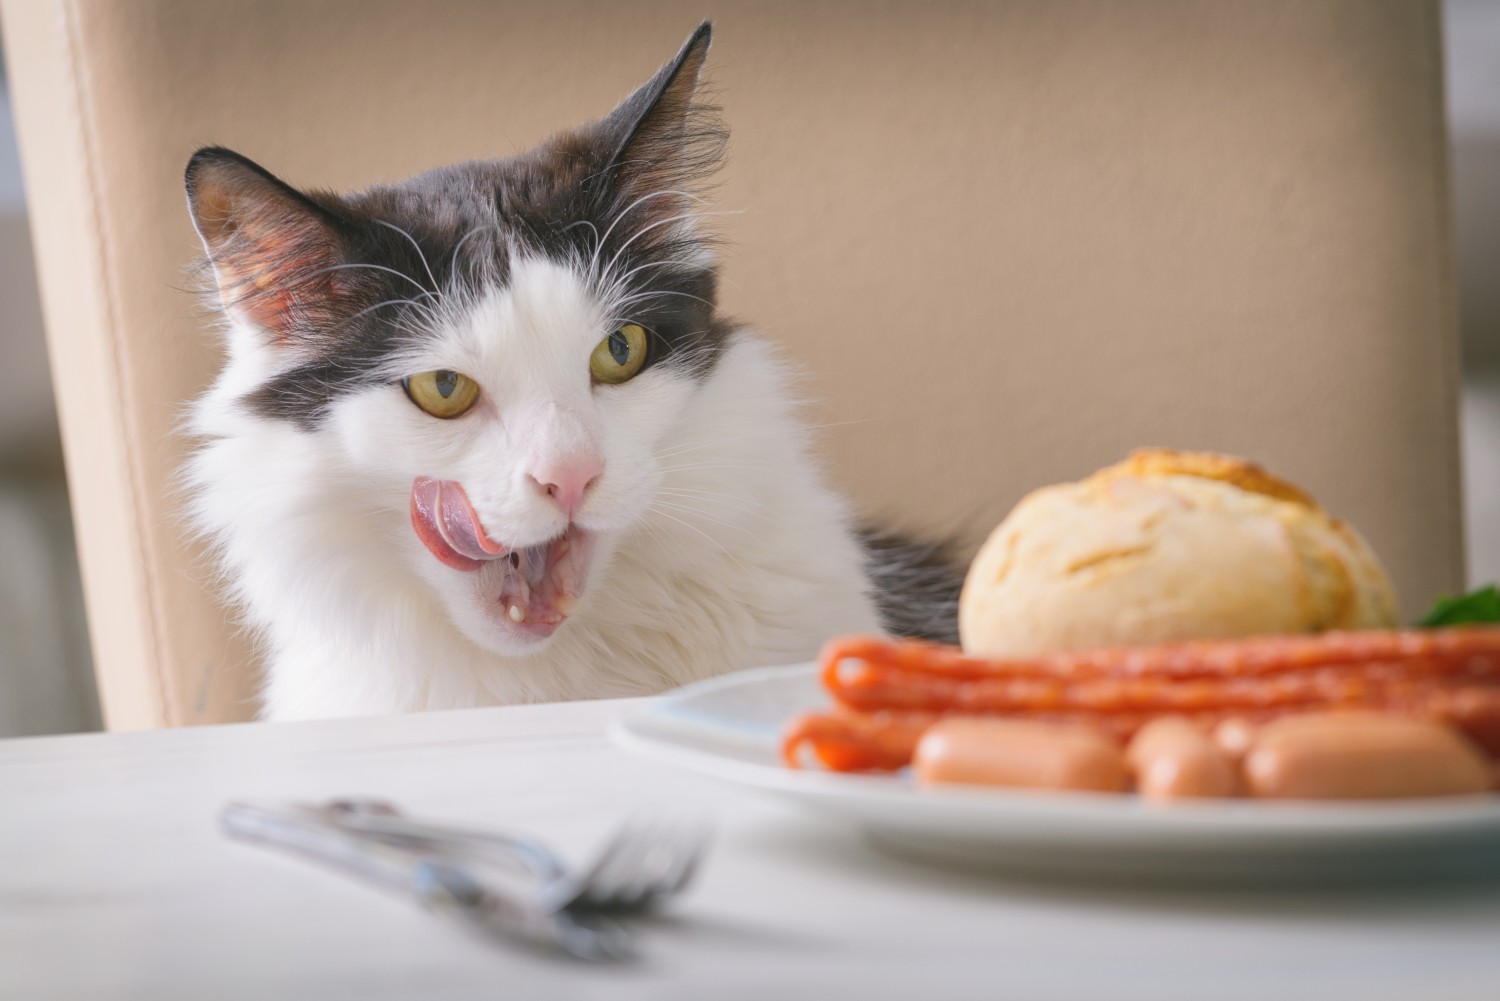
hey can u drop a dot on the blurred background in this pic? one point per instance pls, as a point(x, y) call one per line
point(1472, 30)
point(46, 683)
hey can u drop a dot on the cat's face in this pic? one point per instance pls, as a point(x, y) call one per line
point(498, 353)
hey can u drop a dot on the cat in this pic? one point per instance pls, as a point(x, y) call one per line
point(482, 436)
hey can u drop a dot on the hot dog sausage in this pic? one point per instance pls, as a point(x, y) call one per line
point(1019, 753)
point(1362, 755)
point(1234, 736)
point(1173, 759)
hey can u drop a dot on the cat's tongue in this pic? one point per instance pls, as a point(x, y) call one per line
point(446, 523)
point(541, 584)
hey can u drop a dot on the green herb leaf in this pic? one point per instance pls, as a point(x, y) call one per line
point(1481, 606)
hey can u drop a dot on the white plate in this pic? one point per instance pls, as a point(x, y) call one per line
point(729, 727)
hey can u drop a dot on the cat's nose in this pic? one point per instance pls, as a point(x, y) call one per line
point(567, 480)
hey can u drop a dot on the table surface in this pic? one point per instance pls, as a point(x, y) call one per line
point(115, 882)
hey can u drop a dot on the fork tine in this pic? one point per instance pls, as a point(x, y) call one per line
point(688, 839)
point(583, 888)
point(656, 858)
point(618, 867)
point(657, 862)
point(696, 837)
point(628, 864)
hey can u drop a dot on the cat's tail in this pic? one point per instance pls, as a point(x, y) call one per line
point(916, 583)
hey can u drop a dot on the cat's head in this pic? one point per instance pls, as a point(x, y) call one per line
point(500, 349)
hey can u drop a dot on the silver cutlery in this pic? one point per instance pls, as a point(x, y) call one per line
point(440, 884)
point(445, 867)
point(645, 861)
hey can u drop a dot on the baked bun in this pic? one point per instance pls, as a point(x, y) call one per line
point(1165, 546)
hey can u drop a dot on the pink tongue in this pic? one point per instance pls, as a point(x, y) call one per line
point(444, 505)
point(542, 584)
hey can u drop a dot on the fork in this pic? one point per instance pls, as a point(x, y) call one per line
point(440, 885)
point(643, 863)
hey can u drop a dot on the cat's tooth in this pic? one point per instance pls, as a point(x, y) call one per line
point(516, 613)
point(565, 603)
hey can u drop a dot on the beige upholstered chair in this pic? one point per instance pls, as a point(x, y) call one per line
point(1007, 242)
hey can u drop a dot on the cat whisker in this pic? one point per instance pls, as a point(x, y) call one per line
point(388, 302)
point(453, 262)
point(656, 534)
point(599, 243)
point(717, 544)
point(578, 255)
point(697, 513)
point(609, 285)
point(696, 504)
point(372, 267)
point(623, 279)
point(703, 492)
point(540, 243)
point(701, 512)
point(415, 245)
point(721, 467)
point(642, 296)
point(691, 463)
point(714, 498)
point(664, 222)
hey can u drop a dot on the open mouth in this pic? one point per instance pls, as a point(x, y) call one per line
point(539, 585)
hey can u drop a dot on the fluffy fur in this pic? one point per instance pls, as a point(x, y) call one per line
point(717, 545)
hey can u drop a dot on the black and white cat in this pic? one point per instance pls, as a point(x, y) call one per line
point(482, 437)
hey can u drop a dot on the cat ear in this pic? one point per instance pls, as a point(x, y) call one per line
point(661, 139)
point(270, 246)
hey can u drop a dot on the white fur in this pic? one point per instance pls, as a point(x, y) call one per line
point(718, 546)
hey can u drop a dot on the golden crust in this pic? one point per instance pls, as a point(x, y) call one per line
point(1209, 466)
point(1167, 546)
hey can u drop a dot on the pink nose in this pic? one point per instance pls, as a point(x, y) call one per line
point(566, 480)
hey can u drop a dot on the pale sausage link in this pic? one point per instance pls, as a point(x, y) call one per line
point(849, 741)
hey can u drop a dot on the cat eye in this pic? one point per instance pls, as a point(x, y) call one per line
point(620, 355)
point(442, 392)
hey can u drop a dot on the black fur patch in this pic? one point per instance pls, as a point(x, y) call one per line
point(345, 280)
point(917, 584)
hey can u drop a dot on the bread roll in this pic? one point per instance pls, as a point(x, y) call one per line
point(1166, 546)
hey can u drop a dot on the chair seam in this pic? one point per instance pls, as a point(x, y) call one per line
point(76, 74)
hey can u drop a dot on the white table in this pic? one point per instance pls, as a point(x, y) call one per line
point(115, 882)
